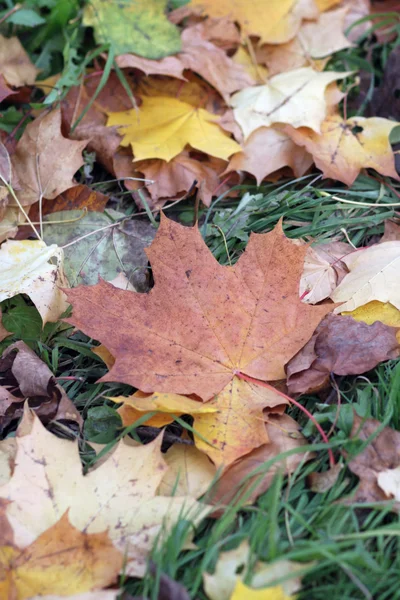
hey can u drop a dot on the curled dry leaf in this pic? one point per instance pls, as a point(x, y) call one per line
point(324, 269)
point(167, 125)
point(377, 465)
point(373, 276)
point(342, 346)
point(30, 378)
point(274, 22)
point(344, 147)
point(216, 321)
point(15, 64)
point(296, 98)
point(27, 270)
point(221, 585)
point(118, 496)
point(267, 150)
point(62, 560)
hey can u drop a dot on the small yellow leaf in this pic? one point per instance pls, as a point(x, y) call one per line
point(243, 592)
point(376, 311)
point(163, 126)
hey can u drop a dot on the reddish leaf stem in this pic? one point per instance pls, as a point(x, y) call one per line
point(300, 406)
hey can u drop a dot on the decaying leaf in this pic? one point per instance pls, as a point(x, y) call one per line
point(296, 98)
point(221, 585)
point(138, 26)
point(26, 269)
point(274, 22)
point(373, 276)
point(62, 560)
point(74, 198)
point(216, 321)
point(267, 150)
point(45, 161)
point(324, 269)
point(166, 125)
point(117, 496)
point(344, 147)
point(377, 465)
point(29, 377)
point(342, 346)
point(15, 64)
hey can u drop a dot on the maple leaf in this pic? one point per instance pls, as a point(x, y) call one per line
point(138, 26)
point(324, 269)
point(342, 346)
point(256, 71)
point(118, 495)
point(15, 64)
point(373, 276)
point(274, 22)
point(165, 125)
point(62, 560)
point(77, 197)
point(209, 61)
point(221, 585)
point(267, 150)
point(296, 98)
point(244, 592)
point(170, 65)
point(27, 270)
point(202, 323)
point(44, 160)
point(344, 147)
point(374, 311)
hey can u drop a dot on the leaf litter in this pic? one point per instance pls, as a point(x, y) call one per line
point(206, 358)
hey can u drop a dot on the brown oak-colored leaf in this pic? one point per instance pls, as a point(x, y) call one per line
point(267, 150)
point(209, 61)
point(45, 161)
point(22, 371)
point(77, 197)
point(62, 560)
point(284, 434)
point(215, 320)
point(15, 64)
point(222, 32)
point(113, 97)
point(343, 346)
point(381, 455)
point(170, 65)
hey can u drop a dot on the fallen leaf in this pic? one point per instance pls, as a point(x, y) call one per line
point(377, 463)
point(8, 449)
point(326, 4)
point(244, 592)
point(236, 482)
point(15, 64)
point(324, 269)
point(372, 276)
point(45, 161)
point(209, 61)
point(221, 585)
point(62, 560)
point(321, 482)
point(190, 472)
point(166, 125)
point(296, 98)
point(222, 32)
point(30, 378)
point(117, 496)
point(138, 26)
point(391, 232)
point(215, 321)
point(274, 22)
point(342, 346)
point(287, 57)
point(10, 223)
point(101, 254)
point(170, 65)
point(376, 311)
point(5, 91)
point(76, 198)
point(26, 269)
point(169, 589)
point(267, 150)
point(256, 71)
point(344, 147)
point(357, 10)
point(97, 595)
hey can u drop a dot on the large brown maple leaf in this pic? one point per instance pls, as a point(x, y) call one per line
point(202, 324)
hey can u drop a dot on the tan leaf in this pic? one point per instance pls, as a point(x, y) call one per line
point(391, 233)
point(44, 160)
point(256, 71)
point(190, 472)
point(324, 269)
point(170, 65)
point(15, 64)
point(344, 147)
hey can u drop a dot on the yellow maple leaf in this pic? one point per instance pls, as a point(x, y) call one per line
point(344, 147)
point(163, 126)
point(374, 311)
point(274, 22)
point(244, 592)
point(296, 97)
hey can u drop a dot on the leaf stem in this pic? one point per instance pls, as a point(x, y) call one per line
point(299, 406)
